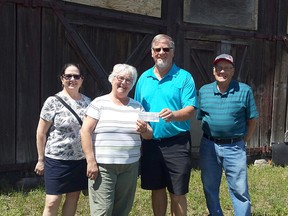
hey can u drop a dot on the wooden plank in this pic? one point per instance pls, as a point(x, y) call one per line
point(143, 48)
point(172, 15)
point(261, 61)
point(7, 83)
point(282, 51)
point(282, 18)
point(53, 54)
point(279, 112)
point(28, 81)
point(267, 16)
point(114, 24)
point(198, 57)
point(87, 56)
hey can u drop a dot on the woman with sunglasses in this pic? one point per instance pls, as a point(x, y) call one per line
point(60, 156)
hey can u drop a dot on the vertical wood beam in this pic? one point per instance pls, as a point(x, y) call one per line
point(172, 15)
point(280, 64)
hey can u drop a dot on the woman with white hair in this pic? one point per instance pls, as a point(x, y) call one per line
point(111, 141)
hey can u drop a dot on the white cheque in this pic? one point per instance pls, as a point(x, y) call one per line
point(149, 116)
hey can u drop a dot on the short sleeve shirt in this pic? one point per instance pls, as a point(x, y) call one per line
point(225, 115)
point(174, 91)
point(115, 139)
point(63, 141)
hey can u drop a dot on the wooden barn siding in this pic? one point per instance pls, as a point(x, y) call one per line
point(42, 43)
point(262, 59)
point(33, 63)
point(279, 106)
point(7, 84)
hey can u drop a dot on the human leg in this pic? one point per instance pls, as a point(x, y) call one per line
point(159, 202)
point(177, 156)
point(152, 166)
point(125, 188)
point(211, 173)
point(235, 166)
point(52, 203)
point(153, 175)
point(102, 191)
point(178, 205)
point(70, 203)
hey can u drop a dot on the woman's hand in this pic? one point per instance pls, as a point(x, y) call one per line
point(39, 168)
point(141, 126)
point(92, 170)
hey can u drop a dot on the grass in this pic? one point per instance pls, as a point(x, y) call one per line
point(268, 190)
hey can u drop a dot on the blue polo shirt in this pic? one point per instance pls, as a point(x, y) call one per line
point(174, 91)
point(225, 115)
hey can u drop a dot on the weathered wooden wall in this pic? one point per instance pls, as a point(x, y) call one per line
point(39, 36)
point(150, 8)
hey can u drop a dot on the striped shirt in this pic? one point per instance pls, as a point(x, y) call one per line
point(115, 138)
point(225, 115)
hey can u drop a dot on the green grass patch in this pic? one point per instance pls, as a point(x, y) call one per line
point(268, 190)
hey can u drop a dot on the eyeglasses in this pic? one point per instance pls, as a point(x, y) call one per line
point(122, 78)
point(167, 49)
point(69, 76)
point(219, 68)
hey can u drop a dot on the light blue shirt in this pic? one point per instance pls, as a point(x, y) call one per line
point(174, 91)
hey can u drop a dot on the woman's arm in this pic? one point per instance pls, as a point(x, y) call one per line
point(86, 131)
point(41, 134)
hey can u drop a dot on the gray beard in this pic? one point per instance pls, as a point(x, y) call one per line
point(161, 64)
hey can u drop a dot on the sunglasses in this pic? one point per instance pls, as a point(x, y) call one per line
point(167, 49)
point(69, 76)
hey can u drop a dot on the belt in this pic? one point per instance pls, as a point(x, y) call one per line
point(223, 140)
point(181, 134)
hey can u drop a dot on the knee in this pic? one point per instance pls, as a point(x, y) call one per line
point(72, 197)
point(177, 198)
point(53, 201)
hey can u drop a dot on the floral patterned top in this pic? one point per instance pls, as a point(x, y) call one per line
point(63, 141)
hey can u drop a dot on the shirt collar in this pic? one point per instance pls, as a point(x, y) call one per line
point(231, 88)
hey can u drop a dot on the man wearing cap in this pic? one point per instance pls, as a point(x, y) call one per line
point(228, 113)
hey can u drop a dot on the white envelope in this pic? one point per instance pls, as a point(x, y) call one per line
point(149, 116)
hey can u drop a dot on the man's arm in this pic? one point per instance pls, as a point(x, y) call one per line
point(177, 115)
point(251, 125)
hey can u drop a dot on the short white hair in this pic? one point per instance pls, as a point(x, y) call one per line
point(121, 69)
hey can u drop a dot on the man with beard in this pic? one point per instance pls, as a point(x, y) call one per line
point(166, 159)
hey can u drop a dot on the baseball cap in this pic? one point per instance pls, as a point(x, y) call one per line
point(224, 57)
